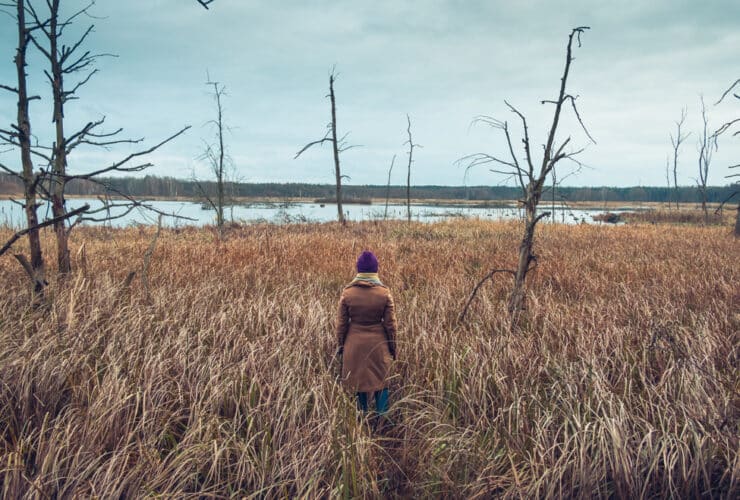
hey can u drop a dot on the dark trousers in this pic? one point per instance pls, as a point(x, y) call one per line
point(381, 400)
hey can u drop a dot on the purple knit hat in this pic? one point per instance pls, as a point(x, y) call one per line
point(367, 262)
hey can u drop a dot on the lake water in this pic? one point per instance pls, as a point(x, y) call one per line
point(12, 214)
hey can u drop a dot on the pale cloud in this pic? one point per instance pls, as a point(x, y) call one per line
point(441, 61)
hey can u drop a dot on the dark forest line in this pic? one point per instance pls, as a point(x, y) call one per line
point(170, 187)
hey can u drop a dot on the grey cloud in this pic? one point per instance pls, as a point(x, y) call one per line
point(442, 61)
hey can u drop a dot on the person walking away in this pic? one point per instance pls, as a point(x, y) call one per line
point(366, 333)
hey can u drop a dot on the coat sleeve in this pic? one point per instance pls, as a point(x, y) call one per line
point(342, 322)
point(389, 323)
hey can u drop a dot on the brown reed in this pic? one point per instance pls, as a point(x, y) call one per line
point(622, 380)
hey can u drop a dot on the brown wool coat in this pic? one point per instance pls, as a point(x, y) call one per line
point(366, 330)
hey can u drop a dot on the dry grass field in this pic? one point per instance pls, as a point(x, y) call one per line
point(623, 379)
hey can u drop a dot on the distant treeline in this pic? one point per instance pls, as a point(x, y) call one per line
point(171, 187)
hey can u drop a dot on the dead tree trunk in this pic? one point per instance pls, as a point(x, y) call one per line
point(411, 144)
point(65, 59)
point(533, 191)
point(531, 181)
point(526, 256)
point(338, 146)
point(335, 149)
point(24, 142)
point(388, 188)
point(676, 143)
point(59, 168)
point(217, 159)
point(705, 159)
point(668, 181)
point(220, 170)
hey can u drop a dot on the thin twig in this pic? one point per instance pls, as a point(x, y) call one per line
point(475, 290)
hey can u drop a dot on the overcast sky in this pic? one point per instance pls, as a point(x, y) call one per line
point(442, 62)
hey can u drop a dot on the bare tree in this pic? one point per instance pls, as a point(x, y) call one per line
point(338, 145)
point(531, 180)
point(20, 135)
point(388, 188)
point(668, 180)
point(707, 144)
point(46, 33)
point(676, 143)
point(216, 157)
point(411, 145)
point(724, 129)
point(63, 61)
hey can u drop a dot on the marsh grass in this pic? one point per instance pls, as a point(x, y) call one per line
point(683, 216)
point(622, 381)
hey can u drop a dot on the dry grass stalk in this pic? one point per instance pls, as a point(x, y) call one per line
point(622, 380)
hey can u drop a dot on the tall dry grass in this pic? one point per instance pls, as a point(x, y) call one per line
point(683, 216)
point(622, 382)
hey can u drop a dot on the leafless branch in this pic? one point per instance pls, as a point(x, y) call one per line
point(68, 51)
point(559, 155)
point(519, 172)
point(82, 11)
point(487, 277)
point(525, 140)
point(129, 207)
point(138, 203)
point(16, 202)
point(732, 195)
point(48, 222)
point(79, 84)
point(326, 138)
point(11, 171)
point(574, 171)
point(79, 137)
point(477, 159)
point(542, 216)
point(38, 284)
point(205, 195)
point(728, 91)
point(487, 120)
point(205, 3)
point(351, 146)
point(118, 166)
point(724, 128)
point(572, 100)
point(578, 116)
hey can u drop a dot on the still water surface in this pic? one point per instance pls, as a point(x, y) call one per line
point(192, 213)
